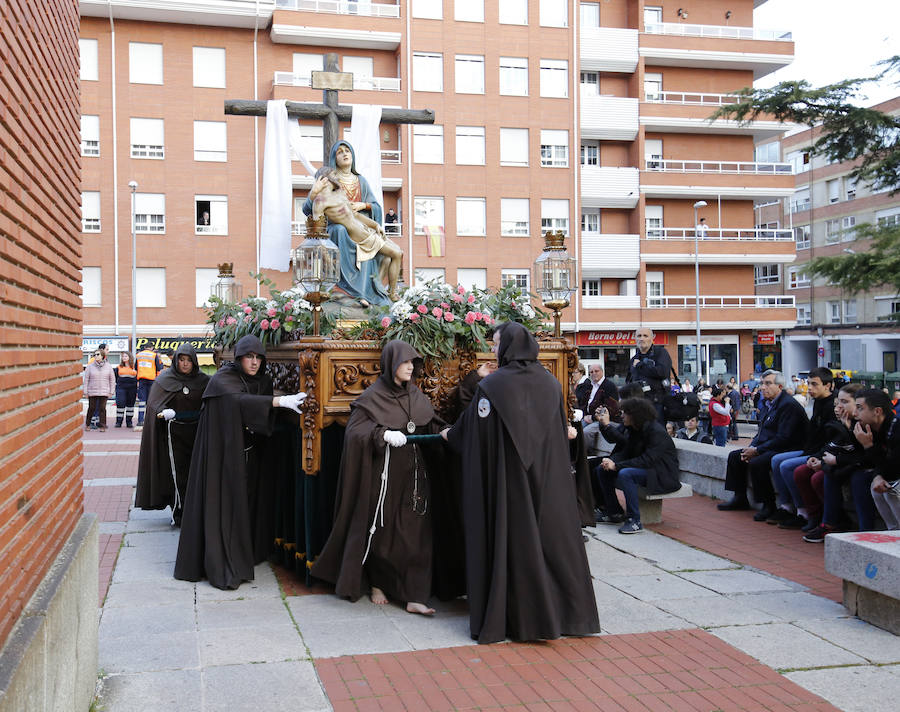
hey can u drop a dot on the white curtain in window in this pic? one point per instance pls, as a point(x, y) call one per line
point(514, 76)
point(150, 285)
point(469, 74)
point(555, 209)
point(470, 145)
point(514, 147)
point(427, 9)
point(428, 144)
point(305, 64)
point(362, 68)
point(554, 13)
point(554, 78)
point(210, 141)
point(90, 128)
point(88, 55)
point(468, 10)
point(514, 216)
point(513, 12)
point(209, 67)
point(145, 63)
point(90, 205)
point(428, 212)
point(205, 280)
point(150, 203)
point(470, 216)
point(147, 132)
point(472, 277)
point(428, 72)
point(91, 286)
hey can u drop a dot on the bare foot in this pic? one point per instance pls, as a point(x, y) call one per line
point(378, 597)
point(421, 608)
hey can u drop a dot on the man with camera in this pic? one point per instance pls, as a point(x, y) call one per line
point(650, 368)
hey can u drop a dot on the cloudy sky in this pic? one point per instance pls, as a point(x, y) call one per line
point(835, 40)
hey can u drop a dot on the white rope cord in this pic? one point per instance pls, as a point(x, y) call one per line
point(379, 507)
point(174, 478)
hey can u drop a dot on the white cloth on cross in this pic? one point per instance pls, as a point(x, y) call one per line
point(364, 129)
point(275, 227)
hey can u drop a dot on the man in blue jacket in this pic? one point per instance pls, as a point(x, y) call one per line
point(783, 425)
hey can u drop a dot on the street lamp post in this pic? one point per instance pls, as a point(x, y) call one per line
point(133, 185)
point(699, 204)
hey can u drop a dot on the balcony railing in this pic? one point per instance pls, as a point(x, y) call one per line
point(731, 301)
point(690, 98)
point(749, 167)
point(210, 229)
point(800, 206)
point(342, 7)
point(289, 79)
point(687, 233)
point(717, 31)
point(392, 230)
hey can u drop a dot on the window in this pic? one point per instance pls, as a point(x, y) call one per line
point(210, 142)
point(652, 16)
point(469, 74)
point(472, 277)
point(554, 13)
point(801, 237)
point(833, 310)
point(849, 311)
point(800, 201)
point(429, 213)
point(145, 63)
point(888, 217)
point(590, 84)
point(590, 221)
point(514, 216)
point(361, 68)
point(428, 72)
point(513, 12)
point(90, 135)
point(150, 212)
point(768, 152)
point(427, 9)
point(428, 143)
point(832, 231)
point(627, 287)
point(91, 291)
point(590, 153)
point(554, 148)
point(513, 147)
point(87, 50)
point(514, 76)
point(555, 215)
point(654, 284)
point(848, 228)
point(468, 10)
point(470, 217)
point(653, 220)
point(590, 287)
point(205, 281)
point(797, 278)
point(210, 215)
point(850, 188)
point(555, 78)
point(652, 87)
point(90, 211)
point(147, 138)
point(767, 274)
point(428, 274)
point(834, 190)
point(150, 286)
point(209, 67)
point(799, 161)
point(590, 14)
point(804, 315)
point(653, 152)
point(304, 65)
point(311, 143)
point(518, 277)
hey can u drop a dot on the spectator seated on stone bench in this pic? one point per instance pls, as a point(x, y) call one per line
point(644, 457)
point(783, 424)
point(691, 431)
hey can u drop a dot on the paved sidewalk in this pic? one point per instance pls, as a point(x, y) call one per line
point(683, 629)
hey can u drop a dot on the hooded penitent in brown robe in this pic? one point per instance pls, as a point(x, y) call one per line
point(400, 551)
point(526, 569)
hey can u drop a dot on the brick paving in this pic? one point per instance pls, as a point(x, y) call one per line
point(670, 670)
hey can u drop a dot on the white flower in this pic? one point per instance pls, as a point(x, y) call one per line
point(528, 311)
point(271, 303)
point(401, 309)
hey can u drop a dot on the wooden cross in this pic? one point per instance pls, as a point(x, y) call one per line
point(329, 111)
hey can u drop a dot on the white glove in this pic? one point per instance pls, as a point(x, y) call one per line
point(577, 415)
point(167, 414)
point(394, 438)
point(292, 402)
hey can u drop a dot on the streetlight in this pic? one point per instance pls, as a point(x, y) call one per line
point(699, 204)
point(554, 275)
point(133, 185)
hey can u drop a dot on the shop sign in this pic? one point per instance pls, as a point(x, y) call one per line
point(765, 337)
point(615, 338)
point(116, 344)
point(201, 344)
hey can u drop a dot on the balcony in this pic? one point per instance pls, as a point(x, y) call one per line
point(341, 7)
point(605, 255)
point(690, 98)
point(741, 234)
point(609, 49)
point(344, 31)
point(689, 112)
point(234, 13)
point(609, 187)
point(718, 31)
point(289, 79)
point(800, 206)
point(609, 118)
point(742, 167)
point(731, 301)
point(611, 301)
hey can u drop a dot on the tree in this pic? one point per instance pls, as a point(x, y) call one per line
point(846, 133)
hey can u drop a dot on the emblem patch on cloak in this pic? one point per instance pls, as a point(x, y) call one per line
point(484, 408)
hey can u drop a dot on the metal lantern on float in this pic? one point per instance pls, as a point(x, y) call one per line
point(317, 266)
point(554, 276)
point(227, 288)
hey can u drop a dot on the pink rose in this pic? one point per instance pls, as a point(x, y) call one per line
point(448, 316)
point(422, 309)
point(275, 323)
point(247, 310)
point(242, 305)
point(231, 320)
point(413, 316)
point(470, 318)
point(289, 304)
point(444, 305)
point(460, 289)
point(488, 320)
point(457, 298)
point(264, 324)
point(247, 318)
point(385, 322)
point(270, 312)
point(471, 299)
point(478, 316)
point(221, 323)
point(438, 312)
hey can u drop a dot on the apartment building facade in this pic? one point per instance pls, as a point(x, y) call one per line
point(586, 117)
point(834, 328)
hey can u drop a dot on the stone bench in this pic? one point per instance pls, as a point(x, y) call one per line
point(651, 504)
point(869, 565)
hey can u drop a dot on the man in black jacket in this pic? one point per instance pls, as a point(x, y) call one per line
point(783, 424)
point(594, 392)
point(650, 368)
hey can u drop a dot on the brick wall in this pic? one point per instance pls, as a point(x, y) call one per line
point(40, 304)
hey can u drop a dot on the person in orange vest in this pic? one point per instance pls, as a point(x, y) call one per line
point(148, 365)
point(126, 389)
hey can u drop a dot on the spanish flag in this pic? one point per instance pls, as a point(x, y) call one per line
point(434, 240)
